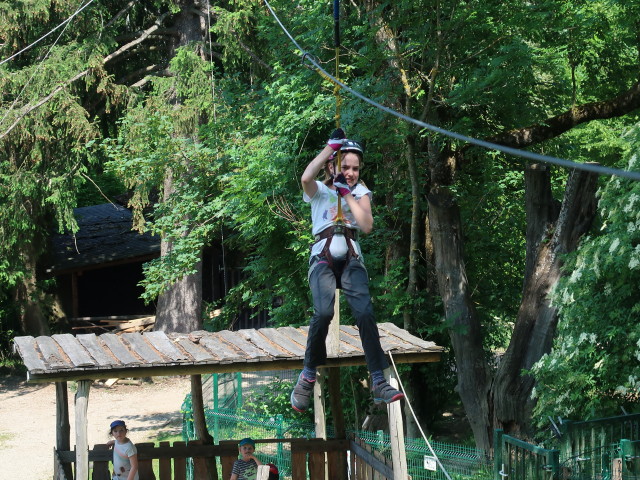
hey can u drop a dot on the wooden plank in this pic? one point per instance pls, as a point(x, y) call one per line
point(27, 348)
point(281, 339)
point(179, 468)
point(74, 350)
point(142, 348)
point(350, 335)
point(398, 341)
point(161, 342)
point(145, 465)
point(346, 348)
point(96, 350)
point(52, 355)
point(198, 353)
point(298, 466)
point(406, 336)
point(298, 335)
point(248, 348)
point(119, 350)
point(316, 466)
point(371, 460)
point(274, 349)
point(100, 468)
point(219, 349)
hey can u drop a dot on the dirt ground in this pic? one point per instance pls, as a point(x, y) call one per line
point(28, 417)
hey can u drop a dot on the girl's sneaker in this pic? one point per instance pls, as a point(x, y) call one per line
point(301, 395)
point(383, 392)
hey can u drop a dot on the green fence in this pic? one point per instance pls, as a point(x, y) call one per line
point(603, 449)
point(459, 461)
point(518, 460)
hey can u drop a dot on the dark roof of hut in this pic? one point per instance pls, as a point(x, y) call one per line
point(105, 236)
point(89, 356)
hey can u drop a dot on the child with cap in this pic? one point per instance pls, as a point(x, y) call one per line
point(125, 454)
point(246, 467)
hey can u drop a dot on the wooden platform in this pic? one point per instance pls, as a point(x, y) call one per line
point(88, 356)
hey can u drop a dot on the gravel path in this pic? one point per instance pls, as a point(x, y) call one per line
point(28, 417)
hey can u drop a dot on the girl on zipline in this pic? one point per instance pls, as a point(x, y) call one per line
point(336, 262)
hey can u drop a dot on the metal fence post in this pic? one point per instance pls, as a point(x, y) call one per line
point(497, 453)
point(553, 463)
point(239, 390)
point(216, 404)
point(279, 434)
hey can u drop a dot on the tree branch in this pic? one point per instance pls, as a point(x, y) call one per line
point(555, 126)
point(27, 109)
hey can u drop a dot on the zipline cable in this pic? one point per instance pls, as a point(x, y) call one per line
point(599, 169)
point(47, 34)
point(446, 474)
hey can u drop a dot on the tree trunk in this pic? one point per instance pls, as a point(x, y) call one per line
point(29, 296)
point(541, 210)
point(180, 306)
point(464, 327)
point(537, 320)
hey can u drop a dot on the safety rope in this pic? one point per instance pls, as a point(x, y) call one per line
point(336, 90)
point(413, 414)
point(599, 169)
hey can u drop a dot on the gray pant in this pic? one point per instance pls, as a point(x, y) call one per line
point(354, 282)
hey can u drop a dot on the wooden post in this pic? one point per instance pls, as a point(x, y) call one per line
point(63, 427)
point(209, 470)
point(319, 411)
point(333, 349)
point(82, 439)
point(396, 434)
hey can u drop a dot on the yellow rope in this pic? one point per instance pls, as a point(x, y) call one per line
point(338, 169)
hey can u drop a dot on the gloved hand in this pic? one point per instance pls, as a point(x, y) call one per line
point(337, 139)
point(340, 182)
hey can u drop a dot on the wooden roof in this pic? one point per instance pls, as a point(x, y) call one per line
point(105, 236)
point(67, 357)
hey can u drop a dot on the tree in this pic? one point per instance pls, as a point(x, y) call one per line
point(592, 369)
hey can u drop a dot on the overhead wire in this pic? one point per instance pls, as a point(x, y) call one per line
point(39, 66)
point(537, 157)
point(47, 34)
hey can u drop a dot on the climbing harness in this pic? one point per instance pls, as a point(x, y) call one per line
point(338, 248)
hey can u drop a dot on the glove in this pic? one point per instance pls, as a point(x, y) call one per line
point(337, 139)
point(340, 182)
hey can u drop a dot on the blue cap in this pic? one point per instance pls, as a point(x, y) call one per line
point(118, 423)
point(247, 441)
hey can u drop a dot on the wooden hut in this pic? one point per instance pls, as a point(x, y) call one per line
point(87, 357)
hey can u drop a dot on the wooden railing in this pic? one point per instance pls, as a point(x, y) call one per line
point(365, 463)
point(170, 461)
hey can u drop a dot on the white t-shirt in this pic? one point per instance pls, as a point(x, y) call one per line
point(324, 210)
point(121, 462)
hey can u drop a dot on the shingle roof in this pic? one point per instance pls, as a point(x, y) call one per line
point(89, 356)
point(105, 236)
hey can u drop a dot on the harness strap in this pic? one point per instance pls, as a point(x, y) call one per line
point(328, 233)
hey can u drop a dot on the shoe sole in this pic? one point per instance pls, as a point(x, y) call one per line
point(395, 398)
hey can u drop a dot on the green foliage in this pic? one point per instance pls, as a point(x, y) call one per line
point(275, 400)
point(592, 370)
